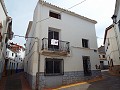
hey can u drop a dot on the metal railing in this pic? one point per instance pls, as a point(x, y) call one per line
point(62, 46)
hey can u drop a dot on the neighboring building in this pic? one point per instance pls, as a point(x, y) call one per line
point(112, 41)
point(111, 48)
point(5, 27)
point(67, 44)
point(15, 58)
point(102, 57)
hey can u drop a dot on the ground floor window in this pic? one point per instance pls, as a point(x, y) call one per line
point(53, 66)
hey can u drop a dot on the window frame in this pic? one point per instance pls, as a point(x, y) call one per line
point(83, 44)
point(53, 12)
point(53, 60)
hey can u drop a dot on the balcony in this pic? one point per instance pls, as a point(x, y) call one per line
point(54, 47)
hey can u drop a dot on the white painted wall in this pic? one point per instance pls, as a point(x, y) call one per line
point(3, 18)
point(72, 29)
point(112, 49)
point(14, 59)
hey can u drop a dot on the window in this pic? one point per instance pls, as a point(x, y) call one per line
point(12, 54)
point(53, 66)
point(54, 15)
point(99, 56)
point(119, 25)
point(53, 35)
point(85, 43)
point(103, 56)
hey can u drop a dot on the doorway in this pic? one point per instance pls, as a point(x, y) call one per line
point(86, 65)
point(53, 40)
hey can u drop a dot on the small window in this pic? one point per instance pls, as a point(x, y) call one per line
point(111, 63)
point(103, 56)
point(85, 43)
point(99, 56)
point(55, 15)
point(119, 25)
point(54, 66)
point(12, 54)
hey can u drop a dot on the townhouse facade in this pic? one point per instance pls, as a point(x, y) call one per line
point(15, 58)
point(59, 49)
point(5, 27)
point(104, 63)
point(112, 41)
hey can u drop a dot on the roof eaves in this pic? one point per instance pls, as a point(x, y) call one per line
point(107, 29)
point(29, 27)
point(66, 11)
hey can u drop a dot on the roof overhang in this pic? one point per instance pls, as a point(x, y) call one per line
point(106, 31)
point(66, 11)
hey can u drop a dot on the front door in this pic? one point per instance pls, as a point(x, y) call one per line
point(86, 65)
point(53, 37)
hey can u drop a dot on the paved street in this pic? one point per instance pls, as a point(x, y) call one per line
point(14, 82)
point(108, 83)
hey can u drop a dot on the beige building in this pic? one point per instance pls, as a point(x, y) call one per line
point(59, 47)
point(111, 48)
point(102, 58)
point(5, 27)
point(112, 41)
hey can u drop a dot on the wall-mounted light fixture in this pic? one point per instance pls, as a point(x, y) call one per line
point(114, 18)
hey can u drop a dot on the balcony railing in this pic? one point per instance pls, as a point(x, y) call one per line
point(52, 45)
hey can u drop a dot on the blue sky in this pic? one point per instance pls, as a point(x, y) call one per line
point(22, 12)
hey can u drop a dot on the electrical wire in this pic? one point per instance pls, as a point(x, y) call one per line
point(63, 10)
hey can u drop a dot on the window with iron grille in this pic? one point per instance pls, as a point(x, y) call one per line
point(53, 66)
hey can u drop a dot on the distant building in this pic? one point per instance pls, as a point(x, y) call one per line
point(61, 47)
point(102, 57)
point(15, 58)
point(5, 34)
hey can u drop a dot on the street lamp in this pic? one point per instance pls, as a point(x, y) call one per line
point(114, 18)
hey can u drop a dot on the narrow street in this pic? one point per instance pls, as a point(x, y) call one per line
point(108, 83)
point(18, 82)
point(14, 82)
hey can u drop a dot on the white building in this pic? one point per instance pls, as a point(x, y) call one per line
point(112, 41)
point(67, 45)
point(102, 58)
point(15, 61)
point(5, 27)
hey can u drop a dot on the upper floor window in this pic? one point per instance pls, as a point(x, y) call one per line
point(99, 56)
point(12, 54)
point(85, 43)
point(103, 56)
point(55, 15)
point(119, 25)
